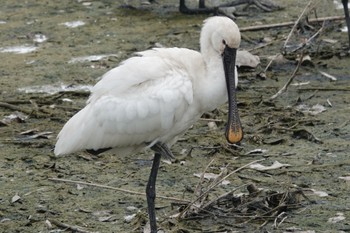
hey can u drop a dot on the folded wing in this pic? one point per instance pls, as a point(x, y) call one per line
point(131, 105)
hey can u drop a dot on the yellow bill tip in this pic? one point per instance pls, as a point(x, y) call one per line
point(234, 136)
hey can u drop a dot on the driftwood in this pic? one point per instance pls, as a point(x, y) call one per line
point(289, 23)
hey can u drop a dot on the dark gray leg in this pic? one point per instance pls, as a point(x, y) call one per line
point(347, 18)
point(160, 150)
point(201, 10)
point(151, 192)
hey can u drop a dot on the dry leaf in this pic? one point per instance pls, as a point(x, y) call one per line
point(256, 151)
point(319, 193)
point(306, 61)
point(339, 217)
point(16, 116)
point(275, 165)
point(212, 125)
point(15, 198)
point(131, 208)
point(109, 218)
point(102, 212)
point(48, 224)
point(245, 58)
point(347, 178)
point(314, 110)
point(208, 176)
point(211, 176)
point(129, 218)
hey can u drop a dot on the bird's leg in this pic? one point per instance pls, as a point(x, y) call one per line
point(160, 149)
point(201, 10)
point(151, 192)
point(347, 17)
point(266, 5)
point(201, 4)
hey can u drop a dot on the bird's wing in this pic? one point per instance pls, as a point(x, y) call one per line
point(132, 104)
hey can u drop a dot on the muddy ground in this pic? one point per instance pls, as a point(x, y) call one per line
point(306, 129)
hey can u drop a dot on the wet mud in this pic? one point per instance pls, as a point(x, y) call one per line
point(290, 174)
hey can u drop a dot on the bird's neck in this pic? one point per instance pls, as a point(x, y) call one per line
point(212, 87)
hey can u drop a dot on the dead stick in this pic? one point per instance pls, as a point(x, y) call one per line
point(117, 189)
point(324, 89)
point(199, 185)
point(24, 110)
point(287, 24)
point(235, 171)
point(213, 186)
point(10, 106)
point(284, 88)
point(70, 227)
point(260, 46)
point(210, 203)
point(296, 23)
point(272, 59)
point(316, 34)
point(310, 39)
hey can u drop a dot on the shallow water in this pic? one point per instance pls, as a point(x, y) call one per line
point(316, 146)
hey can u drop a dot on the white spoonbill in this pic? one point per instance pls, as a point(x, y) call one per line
point(150, 99)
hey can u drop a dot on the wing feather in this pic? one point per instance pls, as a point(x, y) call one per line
point(129, 107)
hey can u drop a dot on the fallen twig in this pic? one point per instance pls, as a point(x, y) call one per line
point(235, 171)
point(308, 40)
point(324, 89)
point(24, 110)
point(217, 182)
point(199, 185)
point(261, 46)
point(287, 24)
point(331, 77)
point(210, 203)
point(117, 189)
point(284, 88)
point(276, 225)
point(70, 227)
point(10, 106)
point(296, 23)
point(270, 62)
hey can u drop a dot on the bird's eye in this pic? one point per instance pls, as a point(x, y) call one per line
point(224, 42)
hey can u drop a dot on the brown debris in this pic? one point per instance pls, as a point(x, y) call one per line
point(256, 205)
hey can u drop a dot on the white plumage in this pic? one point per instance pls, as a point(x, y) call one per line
point(152, 97)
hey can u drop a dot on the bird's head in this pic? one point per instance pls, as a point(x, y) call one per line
point(221, 37)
